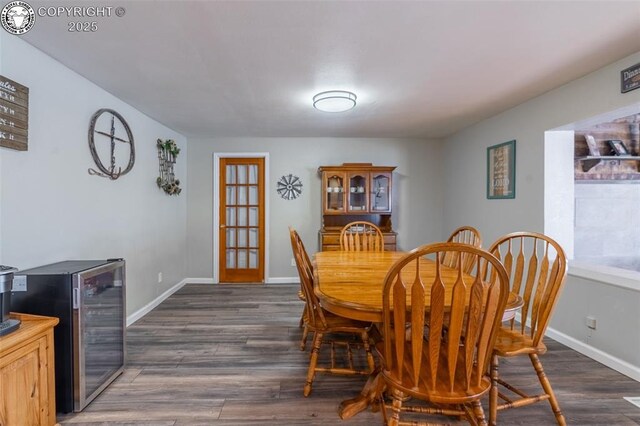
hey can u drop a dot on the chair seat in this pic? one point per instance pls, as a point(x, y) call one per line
point(442, 394)
point(512, 342)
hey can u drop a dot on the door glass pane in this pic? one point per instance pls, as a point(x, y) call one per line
point(231, 258)
point(231, 237)
point(231, 174)
point(242, 259)
point(242, 216)
point(253, 259)
point(242, 237)
point(253, 237)
point(253, 173)
point(231, 194)
point(242, 195)
point(242, 174)
point(253, 216)
point(253, 195)
point(231, 216)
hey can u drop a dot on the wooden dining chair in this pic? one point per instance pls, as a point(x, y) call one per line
point(466, 235)
point(361, 236)
point(537, 268)
point(325, 325)
point(444, 364)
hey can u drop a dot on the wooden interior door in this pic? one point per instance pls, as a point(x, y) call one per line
point(241, 249)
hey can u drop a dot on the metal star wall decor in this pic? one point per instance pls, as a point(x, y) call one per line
point(289, 187)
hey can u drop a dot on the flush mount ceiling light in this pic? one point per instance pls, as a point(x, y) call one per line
point(334, 101)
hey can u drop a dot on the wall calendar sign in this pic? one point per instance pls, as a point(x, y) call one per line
point(630, 78)
point(105, 130)
point(14, 114)
point(501, 170)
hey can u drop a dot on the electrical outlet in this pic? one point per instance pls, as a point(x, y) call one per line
point(590, 322)
point(159, 277)
point(293, 261)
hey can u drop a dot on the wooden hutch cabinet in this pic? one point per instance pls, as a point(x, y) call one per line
point(355, 191)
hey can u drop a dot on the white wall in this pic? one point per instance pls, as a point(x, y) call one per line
point(52, 210)
point(607, 221)
point(418, 191)
point(465, 200)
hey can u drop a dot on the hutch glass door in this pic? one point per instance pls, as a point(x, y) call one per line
point(380, 192)
point(358, 192)
point(334, 201)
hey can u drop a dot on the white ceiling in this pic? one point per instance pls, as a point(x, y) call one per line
point(420, 69)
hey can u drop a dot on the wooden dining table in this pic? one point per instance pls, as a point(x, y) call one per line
point(350, 284)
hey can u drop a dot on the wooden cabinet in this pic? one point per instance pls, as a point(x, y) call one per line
point(355, 191)
point(27, 386)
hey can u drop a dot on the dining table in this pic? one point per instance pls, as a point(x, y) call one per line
point(350, 284)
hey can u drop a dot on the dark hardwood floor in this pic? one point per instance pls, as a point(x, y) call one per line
point(229, 355)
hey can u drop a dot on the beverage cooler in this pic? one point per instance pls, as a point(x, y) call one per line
point(88, 296)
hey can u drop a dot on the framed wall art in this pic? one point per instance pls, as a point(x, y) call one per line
point(618, 147)
point(501, 170)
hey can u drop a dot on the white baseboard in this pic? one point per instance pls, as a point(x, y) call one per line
point(283, 280)
point(155, 302)
point(199, 281)
point(272, 280)
point(602, 357)
point(615, 363)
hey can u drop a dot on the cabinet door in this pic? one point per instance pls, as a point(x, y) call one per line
point(380, 193)
point(333, 190)
point(23, 386)
point(358, 192)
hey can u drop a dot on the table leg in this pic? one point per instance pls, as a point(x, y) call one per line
point(369, 395)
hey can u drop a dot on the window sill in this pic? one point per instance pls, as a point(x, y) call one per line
point(605, 274)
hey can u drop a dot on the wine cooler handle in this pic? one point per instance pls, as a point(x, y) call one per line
point(76, 298)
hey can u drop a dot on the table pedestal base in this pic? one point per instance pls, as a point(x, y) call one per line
point(369, 396)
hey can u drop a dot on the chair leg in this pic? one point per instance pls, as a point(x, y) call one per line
point(305, 329)
point(305, 334)
point(493, 393)
point(396, 406)
point(317, 341)
point(546, 385)
point(479, 413)
point(367, 349)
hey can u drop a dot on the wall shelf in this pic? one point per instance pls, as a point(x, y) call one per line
point(590, 162)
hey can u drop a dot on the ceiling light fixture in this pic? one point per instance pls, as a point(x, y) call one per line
point(334, 101)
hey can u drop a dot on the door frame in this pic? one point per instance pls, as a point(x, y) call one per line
point(216, 208)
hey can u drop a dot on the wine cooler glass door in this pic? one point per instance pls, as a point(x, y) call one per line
point(100, 327)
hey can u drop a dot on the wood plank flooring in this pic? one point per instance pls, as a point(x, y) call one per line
point(228, 355)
